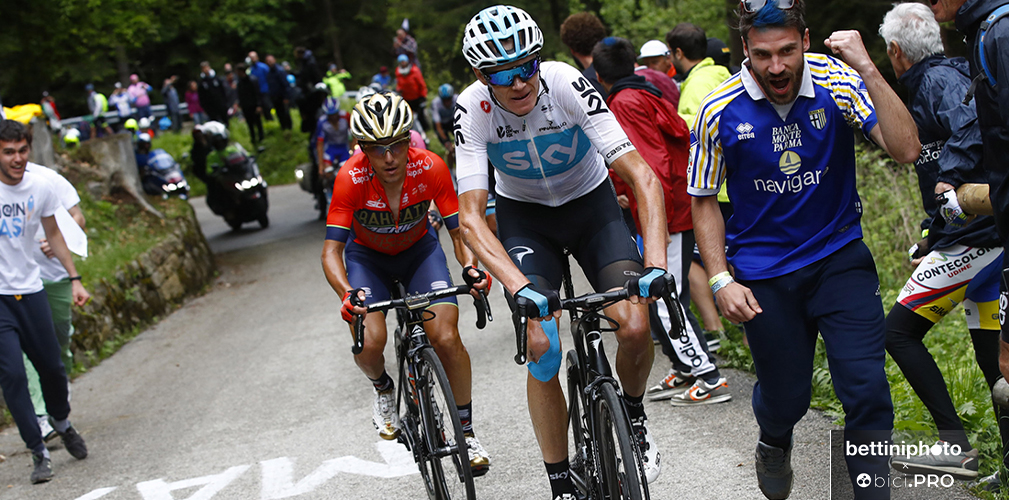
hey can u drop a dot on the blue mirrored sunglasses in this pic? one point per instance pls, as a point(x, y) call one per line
point(756, 5)
point(505, 77)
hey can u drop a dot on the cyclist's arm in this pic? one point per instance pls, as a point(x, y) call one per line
point(651, 209)
point(735, 301)
point(332, 264)
point(486, 246)
point(463, 254)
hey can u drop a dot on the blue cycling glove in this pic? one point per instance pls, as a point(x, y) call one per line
point(653, 283)
point(534, 303)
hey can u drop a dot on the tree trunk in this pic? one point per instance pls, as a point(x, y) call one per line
point(122, 64)
point(734, 42)
point(558, 13)
point(331, 30)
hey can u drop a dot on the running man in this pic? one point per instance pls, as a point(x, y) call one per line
point(26, 324)
point(378, 232)
point(777, 133)
point(549, 137)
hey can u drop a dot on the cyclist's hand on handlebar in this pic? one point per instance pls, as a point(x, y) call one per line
point(653, 283)
point(353, 305)
point(532, 302)
point(737, 303)
point(478, 279)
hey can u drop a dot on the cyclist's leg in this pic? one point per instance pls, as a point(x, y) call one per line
point(929, 294)
point(365, 270)
point(609, 256)
point(537, 256)
point(429, 272)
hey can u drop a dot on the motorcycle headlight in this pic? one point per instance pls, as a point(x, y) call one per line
point(299, 174)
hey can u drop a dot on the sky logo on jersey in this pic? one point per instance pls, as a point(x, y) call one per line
point(553, 153)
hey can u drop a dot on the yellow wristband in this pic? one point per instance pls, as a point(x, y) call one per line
point(714, 279)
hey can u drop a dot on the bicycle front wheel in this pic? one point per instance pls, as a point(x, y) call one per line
point(619, 467)
point(446, 455)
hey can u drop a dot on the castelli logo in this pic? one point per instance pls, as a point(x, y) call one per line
point(485, 106)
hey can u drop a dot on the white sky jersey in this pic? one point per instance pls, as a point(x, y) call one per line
point(22, 207)
point(550, 156)
point(51, 269)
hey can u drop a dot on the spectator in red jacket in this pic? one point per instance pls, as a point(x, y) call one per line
point(663, 140)
point(411, 86)
point(655, 63)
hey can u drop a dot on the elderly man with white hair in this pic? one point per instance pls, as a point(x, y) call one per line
point(957, 262)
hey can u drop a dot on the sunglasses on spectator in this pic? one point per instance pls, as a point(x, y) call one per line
point(378, 150)
point(755, 5)
point(505, 77)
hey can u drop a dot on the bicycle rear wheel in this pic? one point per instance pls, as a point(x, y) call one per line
point(620, 469)
point(446, 455)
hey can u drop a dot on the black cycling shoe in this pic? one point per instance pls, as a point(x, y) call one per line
point(74, 443)
point(43, 471)
point(774, 471)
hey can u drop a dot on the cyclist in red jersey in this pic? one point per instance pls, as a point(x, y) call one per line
point(378, 233)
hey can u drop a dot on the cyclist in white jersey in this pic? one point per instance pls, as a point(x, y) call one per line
point(550, 138)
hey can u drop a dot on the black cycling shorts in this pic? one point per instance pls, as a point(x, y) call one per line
point(591, 227)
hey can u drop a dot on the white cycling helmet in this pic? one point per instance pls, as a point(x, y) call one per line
point(483, 42)
point(380, 116)
point(365, 92)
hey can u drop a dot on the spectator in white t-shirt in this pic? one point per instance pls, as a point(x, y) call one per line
point(58, 287)
point(28, 200)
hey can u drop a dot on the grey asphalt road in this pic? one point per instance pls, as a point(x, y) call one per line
point(250, 392)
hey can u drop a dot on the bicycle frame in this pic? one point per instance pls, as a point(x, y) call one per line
point(423, 417)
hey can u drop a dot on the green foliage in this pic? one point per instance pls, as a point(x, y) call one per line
point(642, 21)
point(120, 230)
point(284, 150)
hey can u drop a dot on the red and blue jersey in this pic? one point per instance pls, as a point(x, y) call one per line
point(360, 210)
point(790, 172)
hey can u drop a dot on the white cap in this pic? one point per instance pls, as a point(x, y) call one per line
point(653, 48)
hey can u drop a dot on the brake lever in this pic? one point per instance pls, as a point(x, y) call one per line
point(481, 310)
point(520, 321)
point(358, 326)
point(358, 336)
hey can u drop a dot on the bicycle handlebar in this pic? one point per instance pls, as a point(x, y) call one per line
point(592, 302)
point(419, 301)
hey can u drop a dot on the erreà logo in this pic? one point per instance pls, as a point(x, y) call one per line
point(745, 131)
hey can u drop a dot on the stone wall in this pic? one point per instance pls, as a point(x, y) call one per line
point(145, 288)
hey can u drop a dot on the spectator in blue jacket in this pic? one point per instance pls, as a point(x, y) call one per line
point(951, 148)
point(259, 70)
point(276, 79)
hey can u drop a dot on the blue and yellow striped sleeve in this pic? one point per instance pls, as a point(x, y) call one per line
point(706, 166)
point(846, 87)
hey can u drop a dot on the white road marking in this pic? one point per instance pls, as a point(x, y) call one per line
point(95, 495)
point(160, 490)
point(278, 476)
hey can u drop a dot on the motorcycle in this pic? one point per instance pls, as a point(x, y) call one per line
point(161, 175)
point(242, 190)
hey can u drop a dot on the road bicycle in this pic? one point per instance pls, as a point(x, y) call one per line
point(430, 426)
point(607, 462)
